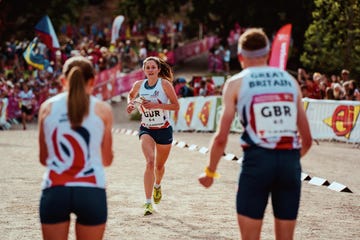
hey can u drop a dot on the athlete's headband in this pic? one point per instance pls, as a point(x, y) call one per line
point(256, 53)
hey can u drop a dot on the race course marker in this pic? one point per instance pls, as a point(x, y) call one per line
point(305, 177)
point(319, 181)
point(193, 147)
point(203, 150)
point(230, 157)
point(181, 144)
point(339, 187)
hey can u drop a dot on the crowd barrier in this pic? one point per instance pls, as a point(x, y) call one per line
point(329, 119)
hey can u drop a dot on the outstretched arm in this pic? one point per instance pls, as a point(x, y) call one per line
point(104, 111)
point(43, 113)
point(303, 128)
point(219, 139)
point(134, 91)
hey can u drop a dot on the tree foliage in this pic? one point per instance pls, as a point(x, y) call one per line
point(18, 17)
point(332, 40)
point(148, 10)
point(221, 15)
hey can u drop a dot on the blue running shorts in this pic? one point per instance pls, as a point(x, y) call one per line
point(160, 136)
point(269, 172)
point(87, 203)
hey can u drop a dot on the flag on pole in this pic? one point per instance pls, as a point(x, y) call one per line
point(46, 32)
point(280, 47)
point(115, 29)
point(33, 57)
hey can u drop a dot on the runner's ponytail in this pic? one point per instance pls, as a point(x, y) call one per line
point(78, 99)
point(78, 71)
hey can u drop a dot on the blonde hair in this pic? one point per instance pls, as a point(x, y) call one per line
point(78, 71)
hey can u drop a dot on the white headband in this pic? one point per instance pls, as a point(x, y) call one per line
point(255, 53)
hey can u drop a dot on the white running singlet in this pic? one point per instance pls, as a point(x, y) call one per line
point(153, 118)
point(74, 155)
point(267, 108)
point(26, 98)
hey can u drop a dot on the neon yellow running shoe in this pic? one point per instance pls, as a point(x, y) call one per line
point(148, 209)
point(157, 195)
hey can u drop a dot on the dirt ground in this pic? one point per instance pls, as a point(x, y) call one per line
point(187, 211)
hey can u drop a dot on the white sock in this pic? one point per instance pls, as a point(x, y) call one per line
point(157, 185)
point(148, 200)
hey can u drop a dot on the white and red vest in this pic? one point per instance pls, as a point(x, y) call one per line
point(74, 155)
point(154, 118)
point(267, 108)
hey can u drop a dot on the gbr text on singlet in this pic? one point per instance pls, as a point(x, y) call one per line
point(275, 112)
point(269, 79)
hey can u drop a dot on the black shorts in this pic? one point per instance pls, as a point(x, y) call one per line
point(26, 110)
point(87, 203)
point(160, 136)
point(269, 172)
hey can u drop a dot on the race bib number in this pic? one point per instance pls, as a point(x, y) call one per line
point(150, 117)
point(275, 115)
point(153, 118)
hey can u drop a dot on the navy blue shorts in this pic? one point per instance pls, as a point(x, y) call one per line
point(26, 110)
point(268, 172)
point(87, 203)
point(160, 136)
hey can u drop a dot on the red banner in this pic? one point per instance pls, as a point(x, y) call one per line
point(280, 47)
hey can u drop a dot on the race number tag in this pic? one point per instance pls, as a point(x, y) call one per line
point(275, 115)
point(153, 117)
point(150, 117)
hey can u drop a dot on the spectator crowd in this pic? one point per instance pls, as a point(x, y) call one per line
point(336, 87)
point(23, 87)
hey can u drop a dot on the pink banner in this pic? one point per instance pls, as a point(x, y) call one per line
point(113, 82)
point(194, 48)
point(280, 47)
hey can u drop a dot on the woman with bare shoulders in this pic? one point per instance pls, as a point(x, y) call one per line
point(155, 97)
point(75, 143)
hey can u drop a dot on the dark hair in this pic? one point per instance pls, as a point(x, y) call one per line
point(329, 93)
point(166, 71)
point(78, 71)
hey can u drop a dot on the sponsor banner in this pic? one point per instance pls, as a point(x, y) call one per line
point(195, 113)
point(193, 49)
point(181, 119)
point(330, 119)
point(124, 82)
point(112, 82)
point(280, 47)
point(205, 112)
point(115, 29)
point(236, 126)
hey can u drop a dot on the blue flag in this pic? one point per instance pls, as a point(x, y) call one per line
point(33, 57)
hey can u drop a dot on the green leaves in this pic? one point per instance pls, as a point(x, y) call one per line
point(332, 39)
